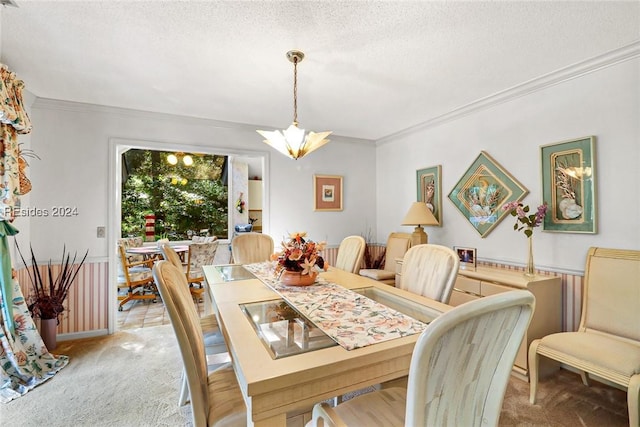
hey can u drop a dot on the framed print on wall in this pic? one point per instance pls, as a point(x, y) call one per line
point(482, 191)
point(430, 190)
point(568, 186)
point(327, 192)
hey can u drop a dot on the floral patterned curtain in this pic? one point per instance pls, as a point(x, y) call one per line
point(24, 360)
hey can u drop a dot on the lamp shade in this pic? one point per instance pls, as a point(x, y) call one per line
point(419, 214)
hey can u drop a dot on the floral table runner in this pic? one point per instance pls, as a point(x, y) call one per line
point(349, 318)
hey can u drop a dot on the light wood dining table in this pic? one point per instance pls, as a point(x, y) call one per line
point(282, 392)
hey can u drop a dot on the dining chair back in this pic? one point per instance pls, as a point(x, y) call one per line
point(458, 374)
point(430, 270)
point(200, 254)
point(216, 398)
point(248, 248)
point(351, 254)
point(397, 245)
point(211, 332)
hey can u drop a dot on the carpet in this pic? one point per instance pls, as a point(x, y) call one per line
point(132, 378)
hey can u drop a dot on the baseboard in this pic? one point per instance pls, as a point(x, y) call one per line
point(81, 335)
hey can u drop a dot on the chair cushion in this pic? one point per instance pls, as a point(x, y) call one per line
point(608, 352)
point(226, 405)
point(389, 403)
point(136, 274)
point(377, 274)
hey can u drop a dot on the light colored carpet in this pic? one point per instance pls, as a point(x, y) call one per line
point(132, 378)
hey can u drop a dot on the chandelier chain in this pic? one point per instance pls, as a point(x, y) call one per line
point(295, 90)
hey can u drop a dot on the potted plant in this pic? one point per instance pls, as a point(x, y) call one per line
point(49, 292)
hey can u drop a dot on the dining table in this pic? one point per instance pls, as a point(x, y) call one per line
point(154, 251)
point(292, 347)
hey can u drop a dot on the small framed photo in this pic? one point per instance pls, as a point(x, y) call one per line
point(327, 192)
point(467, 257)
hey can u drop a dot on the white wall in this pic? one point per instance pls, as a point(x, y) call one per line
point(604, 103)
point(73, 143)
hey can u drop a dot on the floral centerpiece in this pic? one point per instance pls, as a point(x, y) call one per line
point(526, 222)
point(300, 256)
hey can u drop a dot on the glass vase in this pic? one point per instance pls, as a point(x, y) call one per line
point(529, 270)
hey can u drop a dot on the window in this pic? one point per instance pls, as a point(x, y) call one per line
point(187, 193)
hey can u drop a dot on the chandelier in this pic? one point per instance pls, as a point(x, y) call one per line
point(172, 159)
point(293, 142)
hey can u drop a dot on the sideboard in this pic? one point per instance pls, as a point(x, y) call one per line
point(485, 281)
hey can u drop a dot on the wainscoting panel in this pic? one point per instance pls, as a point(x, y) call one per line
point(88, 306)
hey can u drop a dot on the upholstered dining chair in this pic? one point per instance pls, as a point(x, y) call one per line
point(247, 248)
point(216, 398)
point(397, 245)
point(135, 278)
point(458, 374)
point(351, 254)
point(430, 270)
point(213, 339)
point(606, 345)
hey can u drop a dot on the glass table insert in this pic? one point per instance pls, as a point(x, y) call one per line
point(284, 331)
point(231, 273)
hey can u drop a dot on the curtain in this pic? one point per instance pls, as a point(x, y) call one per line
point(24, 360)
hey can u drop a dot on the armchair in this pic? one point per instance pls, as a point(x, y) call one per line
point(607, 342)
point(397, 246)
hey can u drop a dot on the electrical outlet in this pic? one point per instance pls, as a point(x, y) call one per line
point(101, 232)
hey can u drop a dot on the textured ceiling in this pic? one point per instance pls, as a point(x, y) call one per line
point(372, 68)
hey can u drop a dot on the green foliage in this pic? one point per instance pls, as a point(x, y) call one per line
point(182, 197)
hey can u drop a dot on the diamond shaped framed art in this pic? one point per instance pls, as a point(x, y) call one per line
point(482, 191)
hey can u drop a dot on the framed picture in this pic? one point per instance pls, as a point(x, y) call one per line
point(467, 257)
point(429, 190)
point(568, 186)
point(482, 191)
point(327, 192)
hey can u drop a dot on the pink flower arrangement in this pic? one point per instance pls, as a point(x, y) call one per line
point(300, 254)
point(524, 221)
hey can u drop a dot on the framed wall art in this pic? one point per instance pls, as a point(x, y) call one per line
point(429, 190)
point(327, 192)
point(482, 191)
point(568, 186)
point(467, 257)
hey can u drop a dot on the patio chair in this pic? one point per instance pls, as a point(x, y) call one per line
point(458, 374)
point(135, 278)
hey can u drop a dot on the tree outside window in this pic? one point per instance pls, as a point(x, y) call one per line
point(186, 199)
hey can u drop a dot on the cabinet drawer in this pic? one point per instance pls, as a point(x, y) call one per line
point(492, 289)
point(458, 298)
point(465, 284)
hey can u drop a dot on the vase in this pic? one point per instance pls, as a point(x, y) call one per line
point(48, 332)
point(529, 270)
point(295, 278)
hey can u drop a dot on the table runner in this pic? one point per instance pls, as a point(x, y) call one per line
point(349, 318)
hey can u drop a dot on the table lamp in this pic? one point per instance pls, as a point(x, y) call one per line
point(419, 214)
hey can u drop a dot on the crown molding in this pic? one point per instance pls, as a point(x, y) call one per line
point(545, 81)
